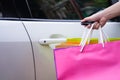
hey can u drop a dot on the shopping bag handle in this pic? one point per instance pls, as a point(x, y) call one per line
point(85, 31)
point(86, 38)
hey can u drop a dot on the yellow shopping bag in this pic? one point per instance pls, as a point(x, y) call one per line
point(76, 42)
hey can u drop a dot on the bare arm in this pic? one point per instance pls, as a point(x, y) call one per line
point(112, 11)
point(102, 17)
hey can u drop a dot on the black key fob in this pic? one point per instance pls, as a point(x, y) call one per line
point(87, 22)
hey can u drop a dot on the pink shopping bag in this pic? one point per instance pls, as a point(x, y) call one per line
point(94, 63)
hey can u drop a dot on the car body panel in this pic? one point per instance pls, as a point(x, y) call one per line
point(16, 57)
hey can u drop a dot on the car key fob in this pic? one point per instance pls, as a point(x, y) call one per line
point(87, 22)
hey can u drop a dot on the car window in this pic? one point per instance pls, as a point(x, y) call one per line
point(65, 9)
point(0, 11)
point(7, 9)
point(52, 9)
point(22, 8)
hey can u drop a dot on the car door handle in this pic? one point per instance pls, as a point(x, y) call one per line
point(52, 41)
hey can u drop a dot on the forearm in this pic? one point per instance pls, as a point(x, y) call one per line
point(111, 11)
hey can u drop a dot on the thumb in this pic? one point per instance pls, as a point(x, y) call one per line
point(86, 19)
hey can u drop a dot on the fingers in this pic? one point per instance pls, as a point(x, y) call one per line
point(87, 19)
point(103, 21)
point(95, 26)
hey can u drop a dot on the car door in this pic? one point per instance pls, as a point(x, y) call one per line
point(16, 56)
point(57, 19)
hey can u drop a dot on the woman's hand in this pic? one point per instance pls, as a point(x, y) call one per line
point(98, 18)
